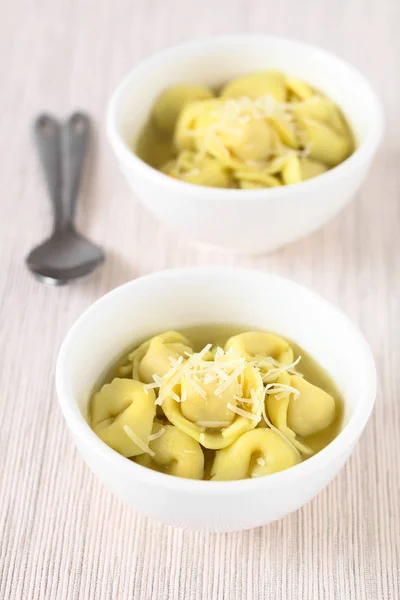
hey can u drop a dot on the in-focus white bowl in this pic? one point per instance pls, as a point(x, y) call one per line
point(213, 295)
point(241, 220)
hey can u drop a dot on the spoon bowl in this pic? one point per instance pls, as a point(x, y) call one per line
point(66, 254)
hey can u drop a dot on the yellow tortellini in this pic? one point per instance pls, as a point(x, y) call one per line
point(234, 408)
point(260, 347)
point(312, 410)
point(199, 129)
point(248, 184)
point(324, 144)
point(254, 140)
point(170, 103)
point(257, 85)
point(255, 453)
point(301, 411)
point(123, 403)
point(287, 132)
point(311, 168)
point(207, 416)
point(154, 356)
point(202, 405)
point(322, 110)
point(154, 147)
point(195, 117)
point(195, 168)
point(257, 175)
point(301, 90)
point(174, 452)
point(260, 130)
point(291, 170)
point(298, 169)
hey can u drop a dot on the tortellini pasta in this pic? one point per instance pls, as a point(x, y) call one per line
point(170, 103)
point(324, 144)
point(311, 168)
point(312, 410)
point(255, 453)
point(192, 168)
point(154, 356)
point(122, 404)
point(234, 408)
point(262, 130)
point(299, 410)
point(257, 85)
point(209, 417)
point(299, 89)
point(174, 452)
point(262, 348)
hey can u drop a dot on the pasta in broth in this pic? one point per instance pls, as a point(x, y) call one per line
point(217, 403)
point(261, 130)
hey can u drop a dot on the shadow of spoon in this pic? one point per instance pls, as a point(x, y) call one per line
point(66, 255)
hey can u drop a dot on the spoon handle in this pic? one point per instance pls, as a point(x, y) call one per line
point(75, 141)
point(47, 135)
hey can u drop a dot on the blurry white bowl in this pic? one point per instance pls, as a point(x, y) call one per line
point(213, 295)
point(241, 220)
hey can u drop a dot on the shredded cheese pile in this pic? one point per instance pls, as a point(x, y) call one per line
point(225, 370)
point(228, 116)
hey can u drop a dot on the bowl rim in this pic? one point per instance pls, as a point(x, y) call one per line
point(130, 159)
point(344, 441)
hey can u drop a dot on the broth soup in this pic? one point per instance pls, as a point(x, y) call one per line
point(217, 403)
point(260, 130)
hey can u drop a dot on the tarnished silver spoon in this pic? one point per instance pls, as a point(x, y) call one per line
point(66, 255)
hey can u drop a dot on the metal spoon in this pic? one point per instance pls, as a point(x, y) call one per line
point(66, 254)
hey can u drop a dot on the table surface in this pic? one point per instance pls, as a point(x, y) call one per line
point(62, 534)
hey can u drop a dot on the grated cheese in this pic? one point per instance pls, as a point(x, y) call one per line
point(281, 388)
point(257, 402)
point(242, 400)
point(156, 384)
point(198, 371)
point(151, 386)
point(154, 436)
point(224, 386)
point(268, 422)
point(282, 368)
point(175, 396)
point(230, 116)
point(177, 376)
point(197, 387)
point(184, 395)
point(225, 370)
point(243, 413)
point(139, 442)
point(175, 362)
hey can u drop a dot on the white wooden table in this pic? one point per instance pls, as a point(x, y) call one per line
point(62, 535)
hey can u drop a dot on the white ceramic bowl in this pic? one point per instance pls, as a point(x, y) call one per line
point(213, 295)
point(240, 220)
